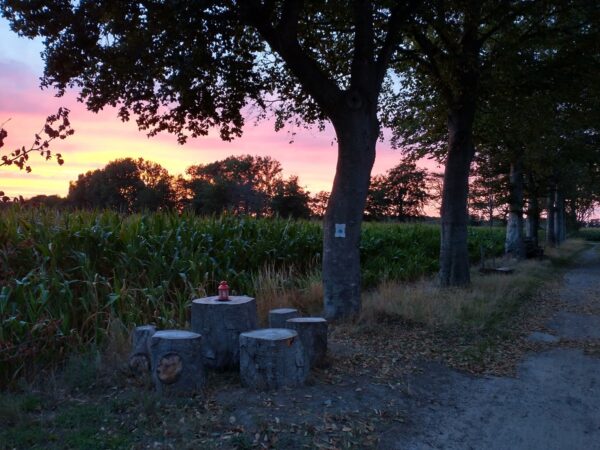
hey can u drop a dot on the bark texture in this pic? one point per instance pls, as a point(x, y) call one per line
point(514, 244)
point(220, 324)
point(357, 134)
point(139, 358)
point(533, 220)
point(272, 358)
point(454, 252)
point(177, 365)
point(312, 332)
point(278, 317)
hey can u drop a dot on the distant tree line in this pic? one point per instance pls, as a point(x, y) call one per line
point(254, 185)
point(245, 185)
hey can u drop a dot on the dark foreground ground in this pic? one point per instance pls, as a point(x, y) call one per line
point(387, 390)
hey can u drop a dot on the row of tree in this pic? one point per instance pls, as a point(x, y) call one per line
point(254, 185)
point(251, 185)
point(515, 80)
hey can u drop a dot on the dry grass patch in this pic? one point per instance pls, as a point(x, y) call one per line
point(426, 303)
point(488, 296)
point(278, 288)
point(480, 329)
point(564, 254)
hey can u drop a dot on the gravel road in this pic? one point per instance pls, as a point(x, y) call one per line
point(553, 403)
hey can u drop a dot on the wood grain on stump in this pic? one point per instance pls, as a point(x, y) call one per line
point(312, 332)
point(277, 317)
point(177, 364)
point(220, 324)
point(139, 358)
point(272, 358)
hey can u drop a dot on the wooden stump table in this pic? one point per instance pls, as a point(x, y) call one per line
point(312, 332)
point(278, 316)
point(220, 324)
point(272, 358)
point(139, 358)
point(177, 365)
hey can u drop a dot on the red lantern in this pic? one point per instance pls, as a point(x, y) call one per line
point(223, 291)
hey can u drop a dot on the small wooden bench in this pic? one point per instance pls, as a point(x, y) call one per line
point(139, 358)
point(278, 316)
point(177, 364)
point(271, 358)
point(312, 332)
point(220, 324)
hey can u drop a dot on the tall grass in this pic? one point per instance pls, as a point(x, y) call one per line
point(426, 303)
point(64, 277)
point(589, 234)
point(489, 298)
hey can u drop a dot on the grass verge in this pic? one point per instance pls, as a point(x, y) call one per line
point(480, 329)
point(477, 306)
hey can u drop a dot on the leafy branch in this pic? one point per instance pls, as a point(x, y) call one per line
point(57, 126)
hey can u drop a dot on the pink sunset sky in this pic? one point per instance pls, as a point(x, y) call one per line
point(100, 138)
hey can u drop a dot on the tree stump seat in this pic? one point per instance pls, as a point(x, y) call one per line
point(139, 357)
point(312, 332)
point(272, 358)
point(177, 364)
point(220, 324)
point(278, 316)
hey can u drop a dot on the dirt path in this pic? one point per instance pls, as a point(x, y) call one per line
point(553, 403)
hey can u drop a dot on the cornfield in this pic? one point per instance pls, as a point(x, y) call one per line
point(64, 276)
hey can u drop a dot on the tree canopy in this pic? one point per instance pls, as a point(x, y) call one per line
point(243, 184)
point(399, 194)
point(57, 126)
point(126, 185)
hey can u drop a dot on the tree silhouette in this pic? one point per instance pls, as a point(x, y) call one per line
point(290, 199)
point(400, 194)
point(57, 126)
point(126, 185)
point(239, 184)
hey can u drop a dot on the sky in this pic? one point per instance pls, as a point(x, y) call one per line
point(100, 138)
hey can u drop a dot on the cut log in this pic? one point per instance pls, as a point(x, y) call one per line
point(220, 324)
point(312, 332)
point(277, 317)
point(272, 358)
point(177, 364)
point(139, 358)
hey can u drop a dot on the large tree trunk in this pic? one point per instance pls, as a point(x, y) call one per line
point(357, 133)
point(571, 215)
point(533, 212)
point(533, 219)
point(514, 244)
point(454, 252)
